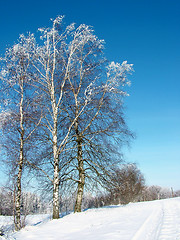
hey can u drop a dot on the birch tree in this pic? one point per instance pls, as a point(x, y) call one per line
point(92, 77)
point(52, 63)
point(19, 117)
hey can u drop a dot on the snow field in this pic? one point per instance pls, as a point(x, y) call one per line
point(155, 220)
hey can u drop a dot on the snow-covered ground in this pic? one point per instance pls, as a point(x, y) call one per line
point(135, 221)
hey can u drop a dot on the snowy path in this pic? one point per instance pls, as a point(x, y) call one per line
point(163, 223)
point(156, 220)
point(170, 228)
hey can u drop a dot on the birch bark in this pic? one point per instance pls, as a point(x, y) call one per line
point(81, 172)
point(20, 164)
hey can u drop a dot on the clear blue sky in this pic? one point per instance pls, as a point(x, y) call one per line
point(143, 32)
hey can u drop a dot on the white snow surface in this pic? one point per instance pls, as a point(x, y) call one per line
point(155, 220)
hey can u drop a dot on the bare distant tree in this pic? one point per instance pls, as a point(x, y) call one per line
point(177, 193)
point(127, 184)
point(155, 192)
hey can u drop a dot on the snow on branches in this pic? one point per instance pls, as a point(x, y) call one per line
point(63, 88)
point(117, 77)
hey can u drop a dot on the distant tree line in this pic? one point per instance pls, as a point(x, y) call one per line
point(31, 203)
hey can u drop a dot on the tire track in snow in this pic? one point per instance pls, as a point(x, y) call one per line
point(150, 228)
point(162, 224)
point(170, 229)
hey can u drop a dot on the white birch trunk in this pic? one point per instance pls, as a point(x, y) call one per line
point(20, 167)
point(55, 147)
point(56, 172)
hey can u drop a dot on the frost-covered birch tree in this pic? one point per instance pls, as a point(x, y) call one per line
point(18, 118)
point(52, 63)
point(92, 79)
